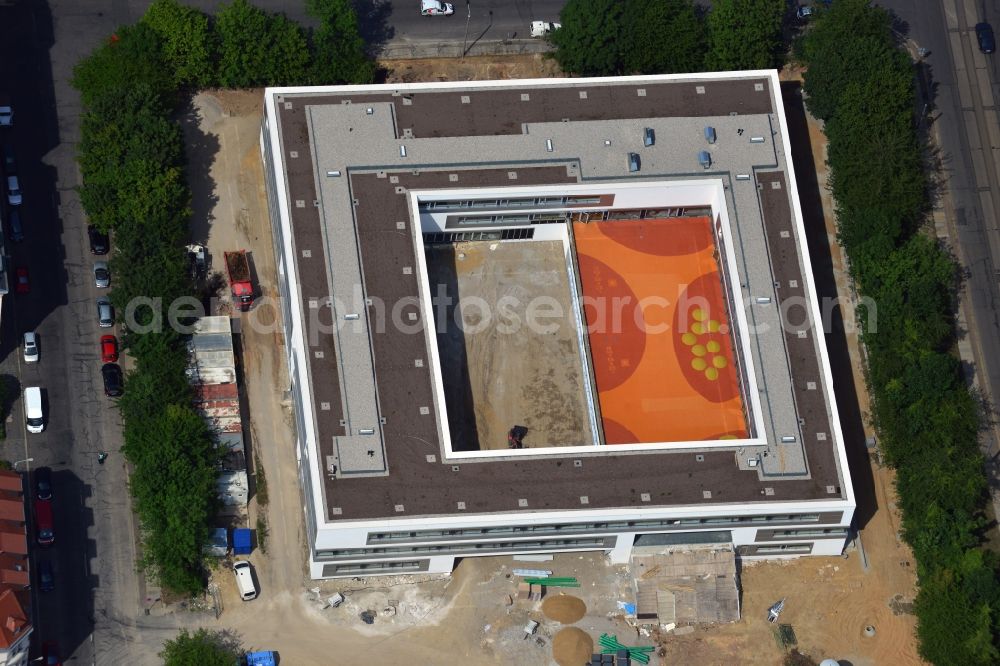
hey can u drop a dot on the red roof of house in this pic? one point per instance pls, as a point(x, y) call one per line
point(11, 509)
point(14, 622)
point(12, 541)
point(10, 481)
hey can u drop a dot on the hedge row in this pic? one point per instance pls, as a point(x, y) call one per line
point(131, 158)
point(860, 82)
point(614, 37)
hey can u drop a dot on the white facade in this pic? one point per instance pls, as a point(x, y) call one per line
point(351, 548)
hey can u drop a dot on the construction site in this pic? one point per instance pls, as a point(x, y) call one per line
point(475, 614)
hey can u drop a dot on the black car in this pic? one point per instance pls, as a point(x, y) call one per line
point(987, 42)
point(16, 226)
point(43, 483)
point(113, 382)
point(46, 576)
point(98, 242)
point(9, 163)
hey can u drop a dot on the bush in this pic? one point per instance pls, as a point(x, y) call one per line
point(259, 48)
point(861, 83)
point(202, 648)
point(744, 34)
point(187, 42)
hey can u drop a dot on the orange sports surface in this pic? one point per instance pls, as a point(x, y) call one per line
point(659, 331)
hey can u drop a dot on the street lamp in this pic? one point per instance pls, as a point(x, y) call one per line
point(17, 462)
point(468, 17)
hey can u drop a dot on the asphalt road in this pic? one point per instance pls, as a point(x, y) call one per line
point(962, 91)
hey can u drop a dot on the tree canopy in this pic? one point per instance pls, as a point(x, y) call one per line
point(259, 48)
point(186, 42)
point(339, 53)
point(590, 40)
point(662, 37)
point(744, 34)
point(202, 648)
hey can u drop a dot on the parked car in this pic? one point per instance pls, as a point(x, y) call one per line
point(44, 532)
point(9, 163)
point(16, 228)
point(43, 483)
point(13, 191)
point(109, 348)
point(244, 580)
point(98, 241)
point(50, 654)
point(542, 28)
point(113, 382)
point(34, 413)
point(803, 13)
point(984, 34)
point(105, 313)
point(102, 276)
point(29, 344)
point(46, 576)
point(436, 8)
point(6, 113)
point(23, 285)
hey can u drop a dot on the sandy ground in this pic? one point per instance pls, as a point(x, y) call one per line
point(470, 69)
point(509, 366)
point(467, 618)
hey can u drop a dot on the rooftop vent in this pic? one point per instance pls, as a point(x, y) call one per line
point(633, 162)
point(704, 159)
point(710, 134)
point(648, 137)
point(548, 145)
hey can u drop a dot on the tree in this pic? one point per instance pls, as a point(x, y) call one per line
point(175, 461)
point(202, 648)
point(339, 54)
point(744, 34)
point(186, 41)
point(259, 48)
point(847, 39)
point(590, 41)
point(130, 57)
point(663, 37)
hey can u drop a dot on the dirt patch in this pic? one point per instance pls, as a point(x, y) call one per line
point(471, 69)
point(506, 365)
point(239, 102)
point(572, 647)
point(564, 608)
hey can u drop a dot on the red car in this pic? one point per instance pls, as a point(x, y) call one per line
point(23, 286)
point(109, 348)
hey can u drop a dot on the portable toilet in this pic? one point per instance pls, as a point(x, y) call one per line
point(242, 541)
point(218, 542)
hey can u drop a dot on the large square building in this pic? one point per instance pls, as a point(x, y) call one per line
point(550, 315)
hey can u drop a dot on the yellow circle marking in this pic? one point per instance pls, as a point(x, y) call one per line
point(699, 364)
point(720, 361)
point(697, 328)
point(689, 338)
point(713, 346)
point(712, 374)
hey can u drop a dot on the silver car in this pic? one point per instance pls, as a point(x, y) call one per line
point(105, 313)
point(30, 347)
point(102, 276)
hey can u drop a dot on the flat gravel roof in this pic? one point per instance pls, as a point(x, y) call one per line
point(419, 482)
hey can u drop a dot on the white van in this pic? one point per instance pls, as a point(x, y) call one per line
point(33, 416)
point(244, 580)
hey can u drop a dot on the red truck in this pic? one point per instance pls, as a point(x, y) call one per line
point(239, 279)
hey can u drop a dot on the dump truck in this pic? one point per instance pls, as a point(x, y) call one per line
point(239, 279)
